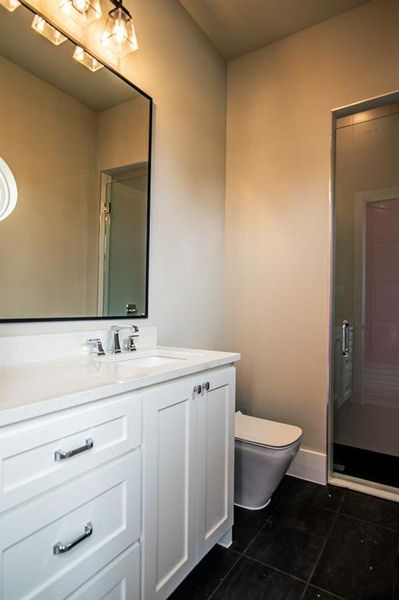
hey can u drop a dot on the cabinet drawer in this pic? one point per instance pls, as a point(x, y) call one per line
point(40, 454)
point(107, 498)
point(118, 581)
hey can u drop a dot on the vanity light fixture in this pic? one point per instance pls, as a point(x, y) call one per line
point(52, 34)
point(82, 12)
point(86, 59)
point(10, 5)
point(119, 34)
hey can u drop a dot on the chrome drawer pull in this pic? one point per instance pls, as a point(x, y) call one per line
point(60, 548)
point(59, 455)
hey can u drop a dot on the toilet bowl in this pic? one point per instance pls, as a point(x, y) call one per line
point(263, 452)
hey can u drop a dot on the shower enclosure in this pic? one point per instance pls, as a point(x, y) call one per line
point(365, 318)
point(123, 242)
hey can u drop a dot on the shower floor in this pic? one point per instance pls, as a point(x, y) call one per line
point(365, 464)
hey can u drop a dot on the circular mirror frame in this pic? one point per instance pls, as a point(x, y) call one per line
point(8, 190)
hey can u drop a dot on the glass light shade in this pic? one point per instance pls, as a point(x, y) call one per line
point(10, 5)
point(83, 12)
point(86, 59)
point(8, 190)
point(119, 34)
point(48, 31)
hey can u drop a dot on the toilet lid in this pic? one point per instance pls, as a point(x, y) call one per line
point(264, 432)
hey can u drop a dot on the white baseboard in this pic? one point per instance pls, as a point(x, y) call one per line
point(309, 465)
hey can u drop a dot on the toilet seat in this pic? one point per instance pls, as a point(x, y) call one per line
point(266, 433)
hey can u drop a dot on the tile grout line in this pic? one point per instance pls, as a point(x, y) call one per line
point(305, 581)
point(259, 562)
point(338, 512)
point(239, 557)
point(277, 570)
point(369, 522)
point(262, 528)
point(316, 587)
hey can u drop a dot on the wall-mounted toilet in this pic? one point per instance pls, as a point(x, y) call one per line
point(263, 452)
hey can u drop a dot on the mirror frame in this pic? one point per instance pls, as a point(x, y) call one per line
point(151, 107)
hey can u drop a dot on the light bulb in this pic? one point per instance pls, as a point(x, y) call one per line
point(81, 5)
point(82, 12)
point(119, 34)
point(119, 31)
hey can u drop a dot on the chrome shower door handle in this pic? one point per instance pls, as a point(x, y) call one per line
point(345, 338)
point(60, 455)
point(60, 548)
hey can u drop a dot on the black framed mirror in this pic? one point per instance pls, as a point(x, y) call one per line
point(75, 167)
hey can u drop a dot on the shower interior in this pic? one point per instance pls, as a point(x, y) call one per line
point(365, 331)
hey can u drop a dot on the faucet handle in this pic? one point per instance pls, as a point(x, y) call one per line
point(130, 344)
point(97, 346)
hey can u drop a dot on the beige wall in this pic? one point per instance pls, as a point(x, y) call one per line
point(53, 160)
point(181, 70)
point(277, 211)
point(122, 134)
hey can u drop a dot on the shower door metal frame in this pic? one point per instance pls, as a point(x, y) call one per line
point(346, 481)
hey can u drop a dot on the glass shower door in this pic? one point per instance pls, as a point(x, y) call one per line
point(366, 297)
point(125, 246)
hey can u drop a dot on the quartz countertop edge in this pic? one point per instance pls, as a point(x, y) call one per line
point(32, 390)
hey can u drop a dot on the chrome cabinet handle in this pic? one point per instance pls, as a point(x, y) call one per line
point(60, 548)
point(59, 455)
point(201, 388)
point(345, 338)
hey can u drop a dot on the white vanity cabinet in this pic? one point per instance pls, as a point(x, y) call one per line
point(117, 498)
point(188, 475)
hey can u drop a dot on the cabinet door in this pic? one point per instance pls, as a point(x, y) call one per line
point(216, 462)
point(170, 474)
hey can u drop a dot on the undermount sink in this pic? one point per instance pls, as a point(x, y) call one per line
point(150, 361)
point(142, 360)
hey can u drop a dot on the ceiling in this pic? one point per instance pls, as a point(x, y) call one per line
point(236, 27)
point(24, 47)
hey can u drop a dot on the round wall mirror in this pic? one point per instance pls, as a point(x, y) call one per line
point(8, 190)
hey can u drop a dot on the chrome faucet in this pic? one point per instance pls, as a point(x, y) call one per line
point(115, 346)
point(115, 343)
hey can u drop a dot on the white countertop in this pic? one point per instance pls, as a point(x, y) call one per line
point(33, 389)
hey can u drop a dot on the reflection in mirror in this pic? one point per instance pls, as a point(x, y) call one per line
point(77, 143)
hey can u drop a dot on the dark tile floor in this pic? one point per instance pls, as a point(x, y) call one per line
point(312, 543)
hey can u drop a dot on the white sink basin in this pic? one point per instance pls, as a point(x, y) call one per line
point(149, 361)
point(146, 359)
